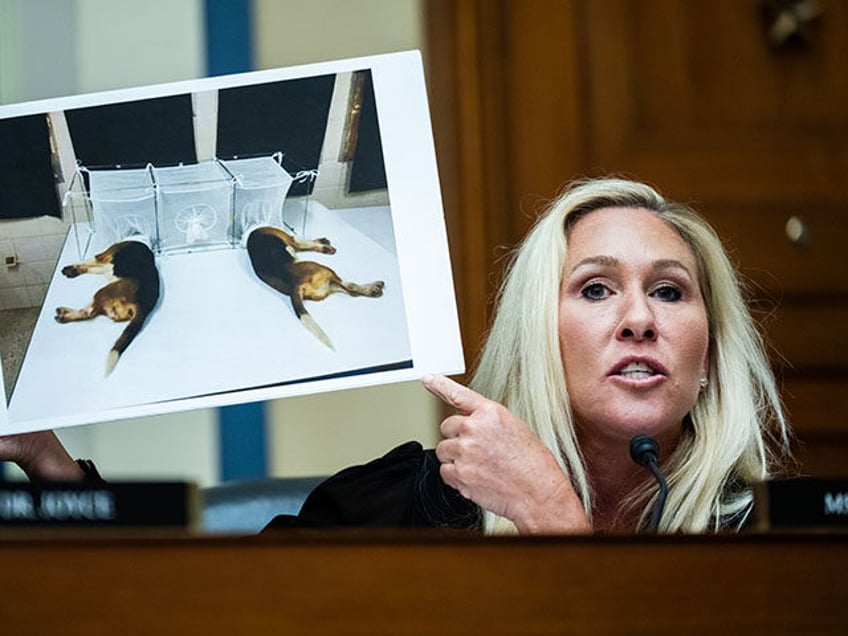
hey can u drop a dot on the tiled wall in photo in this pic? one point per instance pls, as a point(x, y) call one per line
point(35, 244)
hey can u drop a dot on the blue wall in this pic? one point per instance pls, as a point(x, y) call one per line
point(242, 428)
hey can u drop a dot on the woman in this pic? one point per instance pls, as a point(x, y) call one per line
point(624, 312)
point(621, 315)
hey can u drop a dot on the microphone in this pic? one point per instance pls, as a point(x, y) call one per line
point(645, 451)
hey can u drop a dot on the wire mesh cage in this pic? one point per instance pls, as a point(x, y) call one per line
point(115, 205)
point(205, 205)
point(260, 186)
point(123, 206)
point(195, 206)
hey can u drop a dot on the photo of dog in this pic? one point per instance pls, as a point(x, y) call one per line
point(199, 302)
point(272, 255)
point(131, 295)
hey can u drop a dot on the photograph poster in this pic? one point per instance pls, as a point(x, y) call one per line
point(219, 241)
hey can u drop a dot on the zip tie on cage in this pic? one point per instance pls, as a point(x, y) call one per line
point(76, 182)
point(305, 175)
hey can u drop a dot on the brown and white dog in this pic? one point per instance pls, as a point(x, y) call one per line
point(130, 296)
point(271, 253)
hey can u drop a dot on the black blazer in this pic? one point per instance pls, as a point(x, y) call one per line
point(402, 489)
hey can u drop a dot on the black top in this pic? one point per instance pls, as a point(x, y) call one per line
point(402, 489)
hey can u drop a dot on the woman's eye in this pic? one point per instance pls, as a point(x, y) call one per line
point(668, 293)
point(595, 291)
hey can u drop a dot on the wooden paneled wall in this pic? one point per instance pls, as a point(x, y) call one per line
point(693, 97)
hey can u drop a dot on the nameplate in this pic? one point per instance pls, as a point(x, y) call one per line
point(111, 504)
point(801, 504)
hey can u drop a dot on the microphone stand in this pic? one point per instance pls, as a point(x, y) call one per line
point(645, 451)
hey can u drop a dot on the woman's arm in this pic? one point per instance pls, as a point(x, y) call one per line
point(41, 456)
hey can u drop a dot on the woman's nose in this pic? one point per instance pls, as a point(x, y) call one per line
point(638, 321)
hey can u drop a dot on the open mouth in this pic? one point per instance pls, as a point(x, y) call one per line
point(637, 371)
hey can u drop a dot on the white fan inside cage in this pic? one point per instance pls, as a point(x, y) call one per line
point(131, 226)
point(195, 222)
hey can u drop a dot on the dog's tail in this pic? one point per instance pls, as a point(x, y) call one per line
point(307, 321)
point(127, 336)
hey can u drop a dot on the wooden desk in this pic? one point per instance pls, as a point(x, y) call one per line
point(411, 583)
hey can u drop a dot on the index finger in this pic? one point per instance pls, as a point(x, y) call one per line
point(452, 393)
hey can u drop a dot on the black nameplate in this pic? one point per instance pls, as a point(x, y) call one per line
point(159, 504)
point(803, 503)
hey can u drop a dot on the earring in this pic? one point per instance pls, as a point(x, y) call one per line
point(703, 382)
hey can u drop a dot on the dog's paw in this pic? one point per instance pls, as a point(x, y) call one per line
point(70, 271)
point(62, 314)
point(324, 246)
point(375, 289)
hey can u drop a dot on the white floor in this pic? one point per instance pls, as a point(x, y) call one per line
point(216, 328)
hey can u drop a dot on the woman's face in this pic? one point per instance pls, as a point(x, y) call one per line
point(632, 325)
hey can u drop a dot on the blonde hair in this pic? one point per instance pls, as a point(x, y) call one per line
point(735, 434)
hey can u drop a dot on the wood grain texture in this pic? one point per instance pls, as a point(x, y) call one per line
point(417, 584)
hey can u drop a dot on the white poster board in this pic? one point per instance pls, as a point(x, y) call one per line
point(218, 334)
